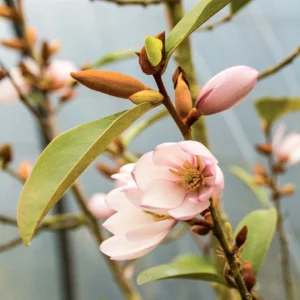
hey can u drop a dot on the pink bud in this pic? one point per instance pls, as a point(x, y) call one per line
point(98, 206)
point(226, 89)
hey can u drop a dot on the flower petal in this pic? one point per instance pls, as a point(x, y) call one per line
point(163, 194)
point(98, 206)
point(188, 209)
point(219, 183)
point(123, 221)
point(148, 231)
point(119, 248)
point(146, 171)
point(117, 199)
point(170, 155)
point(196, 148)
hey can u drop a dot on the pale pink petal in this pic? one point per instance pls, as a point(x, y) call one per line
point(278, 137)
point(119, 248)
point(219, 183)
point(117, 199)
point(134, 195)
point(98, 206)
point(205, 192)
point(146, 171)
point(226, 89)
point(196, 148)
point(128, 168)
point(294, 156)
point(60, 70)
point(290, 142)
point(188, 209)
point(163, 194)
point(126, 220)
point(171, 155)
point(149, 231)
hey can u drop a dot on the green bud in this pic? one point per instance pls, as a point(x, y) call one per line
point(154, 49)
point(146, 96)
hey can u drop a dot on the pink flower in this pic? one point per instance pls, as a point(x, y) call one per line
point(124, 176)
point(286, 149)
point(59, 70)
point(179, 177)
point(136, 231)
point(98, 206)
point(226, 89)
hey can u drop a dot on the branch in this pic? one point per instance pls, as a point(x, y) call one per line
point(212, 26)
point(287, 60)
point(138, 2)
point(230, 256)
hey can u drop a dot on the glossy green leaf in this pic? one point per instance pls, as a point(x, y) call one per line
point(153, 48)
point(261, 228)
point(187, 267)
point(199, 14)
point(236, 5)
point(63, 161)
point(114, 56)
point(271, 109)
point(248, 180)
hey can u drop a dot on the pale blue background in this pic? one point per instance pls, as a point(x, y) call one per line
point(259, 36)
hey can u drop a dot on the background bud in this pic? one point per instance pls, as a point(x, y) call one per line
point(288, 190)
point(241, 237)
point(153, 47)
point(200, 230)
point(265, 149)
point(6, 154)
point(111, 83)
point(146, 96)
point(226, 89)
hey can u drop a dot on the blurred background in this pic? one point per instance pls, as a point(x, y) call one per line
point(260, 35)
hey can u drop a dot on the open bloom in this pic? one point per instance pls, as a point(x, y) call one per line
point(226, 89)
point(179, 177)
point(286, 149)
point(136, 231)
point(98, 206)
point(58, 70)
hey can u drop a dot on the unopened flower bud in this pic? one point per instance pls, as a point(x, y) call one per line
point(111, 83)
point(259, 170)
point(248, 276)
point(68, 95)
point(146, 96)
point(105, 169)
point(16, 43)
point(9, 13)
point(279, 167)
point(241, 237)
point(31, 36)
point(226, 89)
point(183, 98)
point(6, 154)
point(265, 149)
point(260, 180)
point(25, 169)
point(98, 207)
point(192, 117)
point(208, 217)
point(152, 55)
point(200, 230)
point(288, 190)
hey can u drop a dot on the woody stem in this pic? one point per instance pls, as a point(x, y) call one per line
point(185, 130)
point(229, 254)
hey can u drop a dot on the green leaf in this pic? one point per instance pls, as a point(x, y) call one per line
point(153, 48)
point(187, 267)
point(199, 14)
point(63, 161)
point(271, 109)
point(114, 56)
point(261, 228)
point(248, 180)
point(236, 5)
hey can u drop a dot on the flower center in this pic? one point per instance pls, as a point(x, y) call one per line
point(190, 176)
point(157, 217)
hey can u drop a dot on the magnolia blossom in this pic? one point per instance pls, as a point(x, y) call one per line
point(179, 177)
point(286, 149)
point(136, 231)
point(174, 182)
point(58, 69)
point(98, 206)
point(226, 89)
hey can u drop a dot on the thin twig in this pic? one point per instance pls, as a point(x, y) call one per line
point(282, 234)
point(212, 26)
point(287, 60)
point(14, 174)
point(230, 256)
point(138, 2)
point(11, 244)
point(23, 98)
